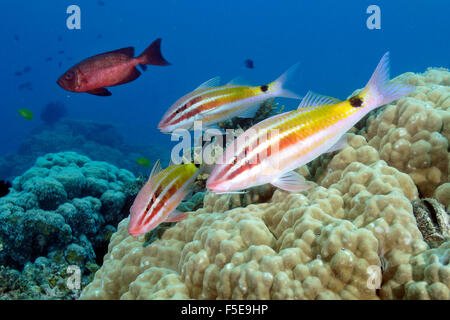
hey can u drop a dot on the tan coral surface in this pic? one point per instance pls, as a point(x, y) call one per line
point(323, 243)
point(351, 236)
point(413, 133)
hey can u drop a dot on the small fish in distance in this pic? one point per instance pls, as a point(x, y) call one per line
point(109, 69)
point(249, 64)
point(143, 162)
point(26, 113)
point(24, 85)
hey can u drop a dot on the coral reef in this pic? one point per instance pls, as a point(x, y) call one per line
point(413, 134)
point(53, 112)
point(64, 209)
point(323, 243)
point(422, 277)
point(98, 141)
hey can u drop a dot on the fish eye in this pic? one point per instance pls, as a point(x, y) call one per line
point(69, 76)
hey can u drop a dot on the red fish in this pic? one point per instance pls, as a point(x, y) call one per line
point(109, 69)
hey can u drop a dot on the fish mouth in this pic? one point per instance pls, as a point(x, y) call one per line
point(59, 82)
point(135, 232)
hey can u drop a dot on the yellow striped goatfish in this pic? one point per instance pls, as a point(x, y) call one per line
point(269, 151)
point(211, 103)
point(157, 201)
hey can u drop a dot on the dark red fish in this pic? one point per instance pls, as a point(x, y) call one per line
point(109, 69)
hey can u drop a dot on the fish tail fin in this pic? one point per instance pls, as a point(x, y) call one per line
point(281, 85)
point(380, 90)
point(152, 55)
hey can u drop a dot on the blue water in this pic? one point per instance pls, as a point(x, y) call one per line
point(202, 39)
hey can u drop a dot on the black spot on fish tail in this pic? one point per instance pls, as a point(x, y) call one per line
point(355, 101)
point(264, 88)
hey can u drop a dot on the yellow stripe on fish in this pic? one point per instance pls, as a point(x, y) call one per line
point(156, 202)
point(211, 103)
point(269, 151)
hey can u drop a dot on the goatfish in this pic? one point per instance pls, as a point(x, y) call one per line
point(211, 103)
point(157, 201)
point(269, 151)
point(109, 69)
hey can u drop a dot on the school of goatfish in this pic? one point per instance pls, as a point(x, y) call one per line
point(268, 152)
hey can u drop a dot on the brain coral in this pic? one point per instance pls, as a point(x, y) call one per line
point(413, 134)
point(324, 243)
point(63, 207)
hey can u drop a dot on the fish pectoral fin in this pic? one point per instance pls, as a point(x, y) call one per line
point(103, 92)
point(134, 74)
point(291, 181)
point(250, 111)
point(340, 144)
point(214, 82)
point(313, 99)
point(176, 215)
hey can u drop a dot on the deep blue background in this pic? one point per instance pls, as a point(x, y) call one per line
point(202, 39)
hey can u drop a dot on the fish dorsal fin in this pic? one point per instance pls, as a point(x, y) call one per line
point(156, 169)
point(238, 81)
point(313, 99)
point(214, 82)
point(291, 181)
point(128, 51)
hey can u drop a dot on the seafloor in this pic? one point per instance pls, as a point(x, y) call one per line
point(374, 226)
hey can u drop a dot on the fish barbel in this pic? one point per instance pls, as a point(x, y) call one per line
point(269, 151)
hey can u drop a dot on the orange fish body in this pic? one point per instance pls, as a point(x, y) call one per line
point(110, 69)
point(157, 201)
